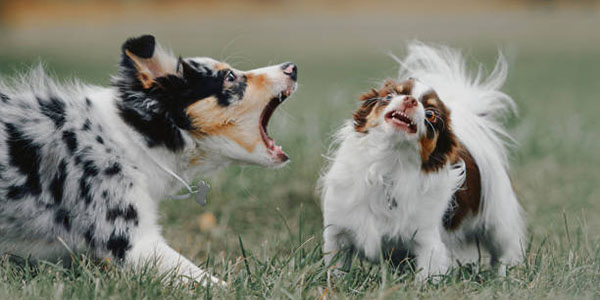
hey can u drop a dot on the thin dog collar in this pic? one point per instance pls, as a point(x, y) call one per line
point(199, 191)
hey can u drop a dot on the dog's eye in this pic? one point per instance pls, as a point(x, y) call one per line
point(430, 115)
point(229, 76)
point(389, 97)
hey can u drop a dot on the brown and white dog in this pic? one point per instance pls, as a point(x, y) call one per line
point(421, 170)
point(84, 167)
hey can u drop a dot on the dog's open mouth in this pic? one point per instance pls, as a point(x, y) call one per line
point(401, 121)
point(274, 150)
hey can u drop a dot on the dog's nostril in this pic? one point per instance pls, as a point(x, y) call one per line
point(410, 101)
point(290, 69)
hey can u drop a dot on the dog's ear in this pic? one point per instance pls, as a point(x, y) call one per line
point(388, 86)
point(370, 95)
point(405, 87)
point(144, 60)
point(186, 69)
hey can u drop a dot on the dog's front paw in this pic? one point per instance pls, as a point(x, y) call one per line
point(502, 270)
point(338, 273)
point(214, 281)
point(423, 277)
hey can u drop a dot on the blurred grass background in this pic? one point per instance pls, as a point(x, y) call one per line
point(341, 48)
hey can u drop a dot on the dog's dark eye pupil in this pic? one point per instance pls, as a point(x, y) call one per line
point(230, 76)
point(430, 115)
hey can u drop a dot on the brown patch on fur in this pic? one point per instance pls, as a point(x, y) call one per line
point(405, 88)
point(427, 146)
point(246, 142)
point(467, 199)
point(240, 122)
point(145, 80)
point(196, 161)
point(258, 81)
point(362, 114)
point(366, 115)
point(197, 158)
point(222, 66)
point(439, 144)
point(211, 119)
point(430, 99)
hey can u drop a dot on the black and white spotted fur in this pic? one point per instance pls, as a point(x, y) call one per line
point(84, 165)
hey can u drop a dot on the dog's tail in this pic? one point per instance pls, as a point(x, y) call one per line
point(478, 110)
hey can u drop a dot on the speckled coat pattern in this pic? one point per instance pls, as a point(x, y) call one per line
point(83, 168)
point(63, 174)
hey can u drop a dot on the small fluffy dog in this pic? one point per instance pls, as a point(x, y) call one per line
point(421, 170)
point(84, 167)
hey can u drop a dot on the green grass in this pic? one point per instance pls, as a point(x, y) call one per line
point(276, 213)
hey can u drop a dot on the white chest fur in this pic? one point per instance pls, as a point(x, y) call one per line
point(373, 194)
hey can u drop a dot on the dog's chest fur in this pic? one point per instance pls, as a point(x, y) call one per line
point(382, 196)
point(66, 170)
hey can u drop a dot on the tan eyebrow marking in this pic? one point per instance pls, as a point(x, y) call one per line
point(222, 66)
point(431, 99)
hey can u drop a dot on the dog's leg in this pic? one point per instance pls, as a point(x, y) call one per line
point(505, 247)
point(431, 255)
point(133, 238)
point(335, 243)
point(332, 245)
point(155, 250)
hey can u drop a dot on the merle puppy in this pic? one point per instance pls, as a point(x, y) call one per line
point(83, 168)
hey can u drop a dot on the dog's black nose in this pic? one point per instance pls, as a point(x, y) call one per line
point(290, 69)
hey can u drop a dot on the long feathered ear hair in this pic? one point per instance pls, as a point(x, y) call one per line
point(369, 101)
point(372, 94)
point(360, 115)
